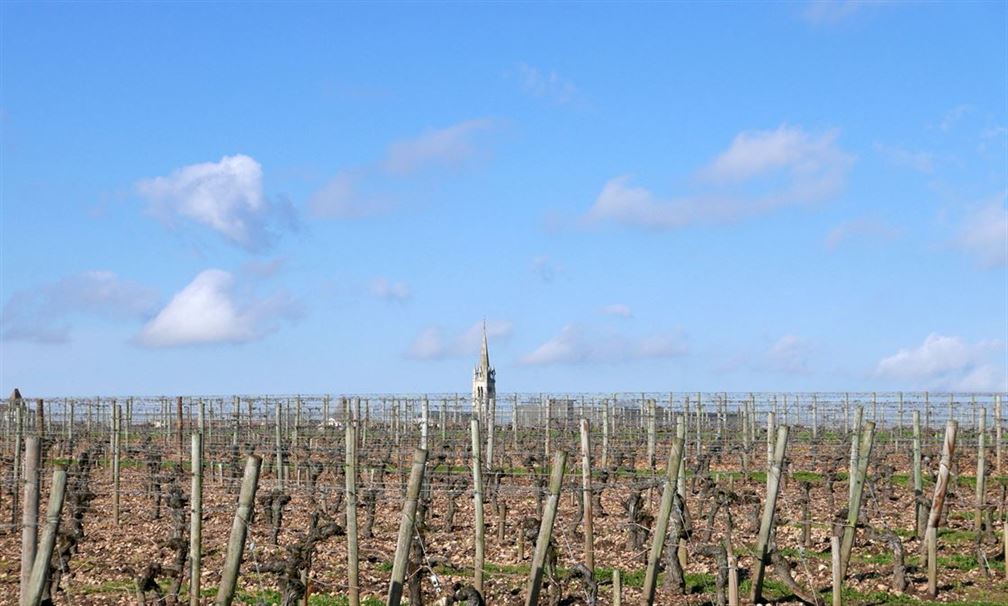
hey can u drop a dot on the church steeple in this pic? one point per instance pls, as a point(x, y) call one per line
point(484, 388)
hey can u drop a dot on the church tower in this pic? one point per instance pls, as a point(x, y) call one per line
point(484, 390)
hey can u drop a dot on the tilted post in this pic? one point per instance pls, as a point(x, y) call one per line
point(40, 567)
point(236, 544)
point(854, 506)
point(769, 510)
point(931, 536)
point(546, 528)
point(406, 525)
point(661, 523)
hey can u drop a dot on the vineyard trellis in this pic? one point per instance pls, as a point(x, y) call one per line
point(359, 496)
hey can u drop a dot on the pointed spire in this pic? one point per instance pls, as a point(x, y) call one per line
point(485, 351)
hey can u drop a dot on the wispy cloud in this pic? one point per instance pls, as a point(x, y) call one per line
point(432, 343)
point(576, 344)
point(226, 196)
point(342, 198)
point(451, 146)
point(387, 290)
point(43, 314)
point(984, 233)
point(617, 309)
point(759, 172)
point(546, 84)
point(916, 160)
point(860, 228)
point(835, 11)
point(207, 311)
point(546, 268)
point(369, 189)
point(789, 354)
point(948, 362)
point(953, 116)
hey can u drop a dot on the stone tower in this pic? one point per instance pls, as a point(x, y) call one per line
point(484, 391)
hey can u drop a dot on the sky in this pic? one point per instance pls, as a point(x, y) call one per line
point(218, 198)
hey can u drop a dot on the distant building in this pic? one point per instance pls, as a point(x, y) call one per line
point(484, 383)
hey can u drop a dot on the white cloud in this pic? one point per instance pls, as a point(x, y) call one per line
point(577, 345)
point(547, 85)
point(943, 362)
point(834, 11)
point(917, 160)
point(760, 171)
point(341, 198)
point(953, 116)
point(617, 309)
point(984, 233)
point(450, 146)
point(433, 344)
point(859, 228)
point(390, 291)
point(789, 354)
point(226, 196)
point(207, 311)
point(42, 314)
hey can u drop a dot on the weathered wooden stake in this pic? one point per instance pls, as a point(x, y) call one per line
point(661, 522)
point(478, 526)
point(931, 536)
point(29, 511)
point(236, 544)
point(350, 473)
point(406, 525)
point(981, 480)
point(837, 577)
point(769, 509)
point(920, 519)
point(586, 495)
point(617, 587)
point(854, 505)
point(546, 528)
point(40, 567)
point(196, 520)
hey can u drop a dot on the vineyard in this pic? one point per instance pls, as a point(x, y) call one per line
point(558, 499)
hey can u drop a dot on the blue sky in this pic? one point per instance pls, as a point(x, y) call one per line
point(224, 198)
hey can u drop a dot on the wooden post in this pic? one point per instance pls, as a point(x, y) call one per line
point(859, 416)
point(681, 552)
point(769, 510)
point(545, 528)
point(605, 433)
point(997, 438)
point(931, 536)
point(733, 574)
point(837, 577)
point(586, 495)
point(662, 521)
point(920, 518)
point(196, 520)
point(29, 512)
point(617, 586)
point(178, 427)
point(424, 419)
point(40, 567)
point(981, 481)
point(350, 473)
point(406, 528)
point(549, 426)
point(116, 420)
point(278, 435)
point(236, 544)
point(854, 505)
point(478, 505)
